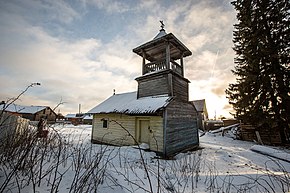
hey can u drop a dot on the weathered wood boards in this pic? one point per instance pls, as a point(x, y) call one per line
point(169, 128)
point(181, 131)
point(265, 135)
point(163, 83)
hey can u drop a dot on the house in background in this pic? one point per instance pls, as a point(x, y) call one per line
point(202, 114)
point(33, 113)
point(79, 118)
point(74, 119)
point(159, 113)
point(88, 119)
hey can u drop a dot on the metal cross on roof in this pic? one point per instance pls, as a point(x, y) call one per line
point(162, 24)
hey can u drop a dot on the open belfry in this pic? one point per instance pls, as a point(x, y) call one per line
point(159, 113)
point(162, 67)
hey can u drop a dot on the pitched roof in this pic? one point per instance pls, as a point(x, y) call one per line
point(157, 46)
point(160, 34)
point(199, 105)
point(88, 117)
point(129, 104)
point(23, 109)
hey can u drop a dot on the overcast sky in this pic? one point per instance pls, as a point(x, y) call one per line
point(81, 50)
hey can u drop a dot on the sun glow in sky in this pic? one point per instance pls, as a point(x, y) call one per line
point(81, 50)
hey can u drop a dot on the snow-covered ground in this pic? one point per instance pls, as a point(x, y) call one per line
point(221, 164)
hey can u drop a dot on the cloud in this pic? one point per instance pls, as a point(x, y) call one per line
point(59, 10)
point(67, 70)
point(85, 70)
point(110, 6)
point(45, 10)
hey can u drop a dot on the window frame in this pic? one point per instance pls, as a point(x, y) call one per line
point(105, 123)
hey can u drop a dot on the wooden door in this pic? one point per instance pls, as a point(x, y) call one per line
point(144, 133)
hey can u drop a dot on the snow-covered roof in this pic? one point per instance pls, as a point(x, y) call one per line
point(88, 117)
point(77, 115)
point(129, 104)
point(23, 109)
point(160, 34)
point(70, 116)
point(199, 105)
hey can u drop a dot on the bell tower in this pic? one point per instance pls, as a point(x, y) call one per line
point(163, 67)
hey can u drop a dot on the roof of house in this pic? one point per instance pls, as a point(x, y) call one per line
point(88, 117)
point(199, 105)
point(70, 116)
point(22, 109)
point(129, 104)
point(76, 115)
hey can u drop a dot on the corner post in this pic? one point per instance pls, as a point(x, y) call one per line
point(143, 62)
point(181, 64)
point(168, 55)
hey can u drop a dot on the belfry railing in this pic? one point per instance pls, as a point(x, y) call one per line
point(161, 65)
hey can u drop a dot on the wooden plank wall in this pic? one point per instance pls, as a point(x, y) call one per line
point(165, 82)
point(116, 135)
point(156, 125)
point(180, 87)
point(181, 127)
point(46, 113)
point(153, 85)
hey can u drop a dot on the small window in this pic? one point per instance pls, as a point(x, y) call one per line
point(105, 123)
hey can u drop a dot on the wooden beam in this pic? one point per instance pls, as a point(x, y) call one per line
point(168, 55)
point(143, 62)
point(164, 131)
point(170, 86)
point(181, 64)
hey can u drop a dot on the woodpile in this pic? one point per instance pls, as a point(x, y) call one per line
point(263, 135)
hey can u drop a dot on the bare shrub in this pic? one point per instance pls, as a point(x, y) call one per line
point(42, 163)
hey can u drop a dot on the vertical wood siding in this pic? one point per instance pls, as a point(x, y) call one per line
point(181, 127)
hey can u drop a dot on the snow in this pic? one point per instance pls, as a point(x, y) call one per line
point(88, 117)
point(160, 34)
point(22, 109)
point(128, 103)
point(271, 152)
point(221, 129)
point(221, 164)
point(70, 116)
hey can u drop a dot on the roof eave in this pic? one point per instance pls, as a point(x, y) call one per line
point(167, 37)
